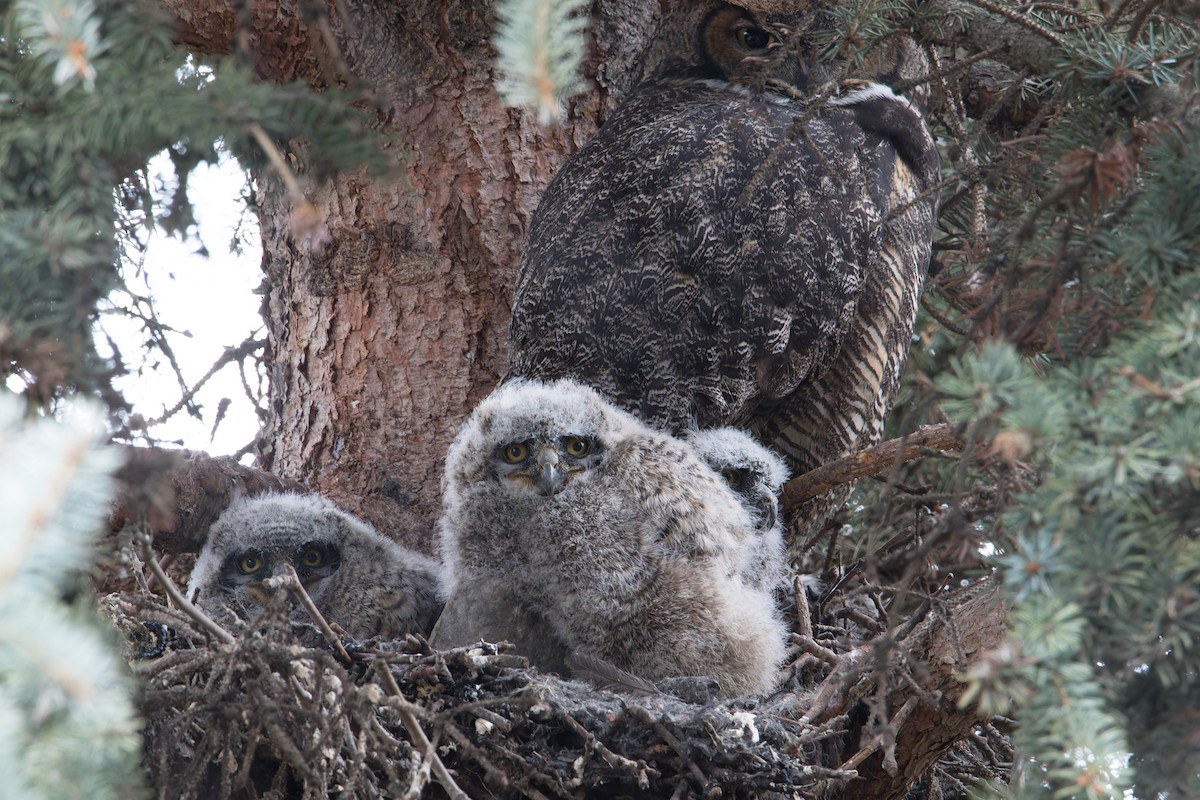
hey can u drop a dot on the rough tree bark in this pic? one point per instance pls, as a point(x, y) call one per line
point(383, 339)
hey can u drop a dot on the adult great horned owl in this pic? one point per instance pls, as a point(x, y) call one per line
point(571, 521)
point(743, 242)
point(357, 578)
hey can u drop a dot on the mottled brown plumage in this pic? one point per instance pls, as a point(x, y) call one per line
point(358, 579)
point(743, 243)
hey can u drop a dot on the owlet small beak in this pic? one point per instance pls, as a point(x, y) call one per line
point(768, 508)
point(259, 593)
point(550, 478)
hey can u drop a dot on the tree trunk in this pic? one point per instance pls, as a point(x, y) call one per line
point(384, 338)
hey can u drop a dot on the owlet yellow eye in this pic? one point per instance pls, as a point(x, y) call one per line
point(250, 564)
point(577, 447)
point(515, 453)
point(730, 476)
point(754, 38)
point(312, 557)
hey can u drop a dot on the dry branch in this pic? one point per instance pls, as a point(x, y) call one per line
point(178, 494)
point(872, 461)
point(184, 605)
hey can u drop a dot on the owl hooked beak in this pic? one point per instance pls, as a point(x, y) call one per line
point(550, 478)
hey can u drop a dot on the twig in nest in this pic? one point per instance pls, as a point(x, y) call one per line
point(163, 564)
point(492, 718)
point(291, 580)
point(491, 773)
point(849, 669)
point(405, 710)
point(894, 725)
point(635, 768)
point(282, 741)
point(420, 779)
point(803, 618)
point(809, 645)
point(664, 734)
point(871, 461)
point(202, 619)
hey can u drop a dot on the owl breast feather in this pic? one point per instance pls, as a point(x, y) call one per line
point(701, 257)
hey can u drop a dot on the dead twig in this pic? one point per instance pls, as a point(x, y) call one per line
point(636, 769)
point(878, 741)
point(850, 668)
point(409, 718)
point(291, 580)
point(809, 645)
point(492, 774)
point(803, 617)
point(231, 354)
point(202, 619)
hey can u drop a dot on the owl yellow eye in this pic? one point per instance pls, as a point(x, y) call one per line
point(577, 447)
point(313, 557)
point(730, 476)
point(754, 38)
point(250, 564)
point(515, 453)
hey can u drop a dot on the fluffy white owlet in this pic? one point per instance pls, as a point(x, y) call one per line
point(756, 475)
point(564, 512)
point(357, 578)
point(742, 243)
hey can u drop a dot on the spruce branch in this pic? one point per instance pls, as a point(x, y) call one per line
point(985, 25)
point(1022, 20)
point(61, 681)
point(65, 33)
point(539, 46)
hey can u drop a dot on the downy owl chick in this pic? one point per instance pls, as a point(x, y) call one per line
point(358, 578)
point(756, 475)
point(625, 545)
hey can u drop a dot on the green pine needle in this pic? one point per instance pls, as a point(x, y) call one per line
point(67, 721)
point(540, 44)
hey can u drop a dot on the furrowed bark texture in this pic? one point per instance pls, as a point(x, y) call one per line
point(386, 336)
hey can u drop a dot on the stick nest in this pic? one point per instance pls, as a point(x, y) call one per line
point(264, 716)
